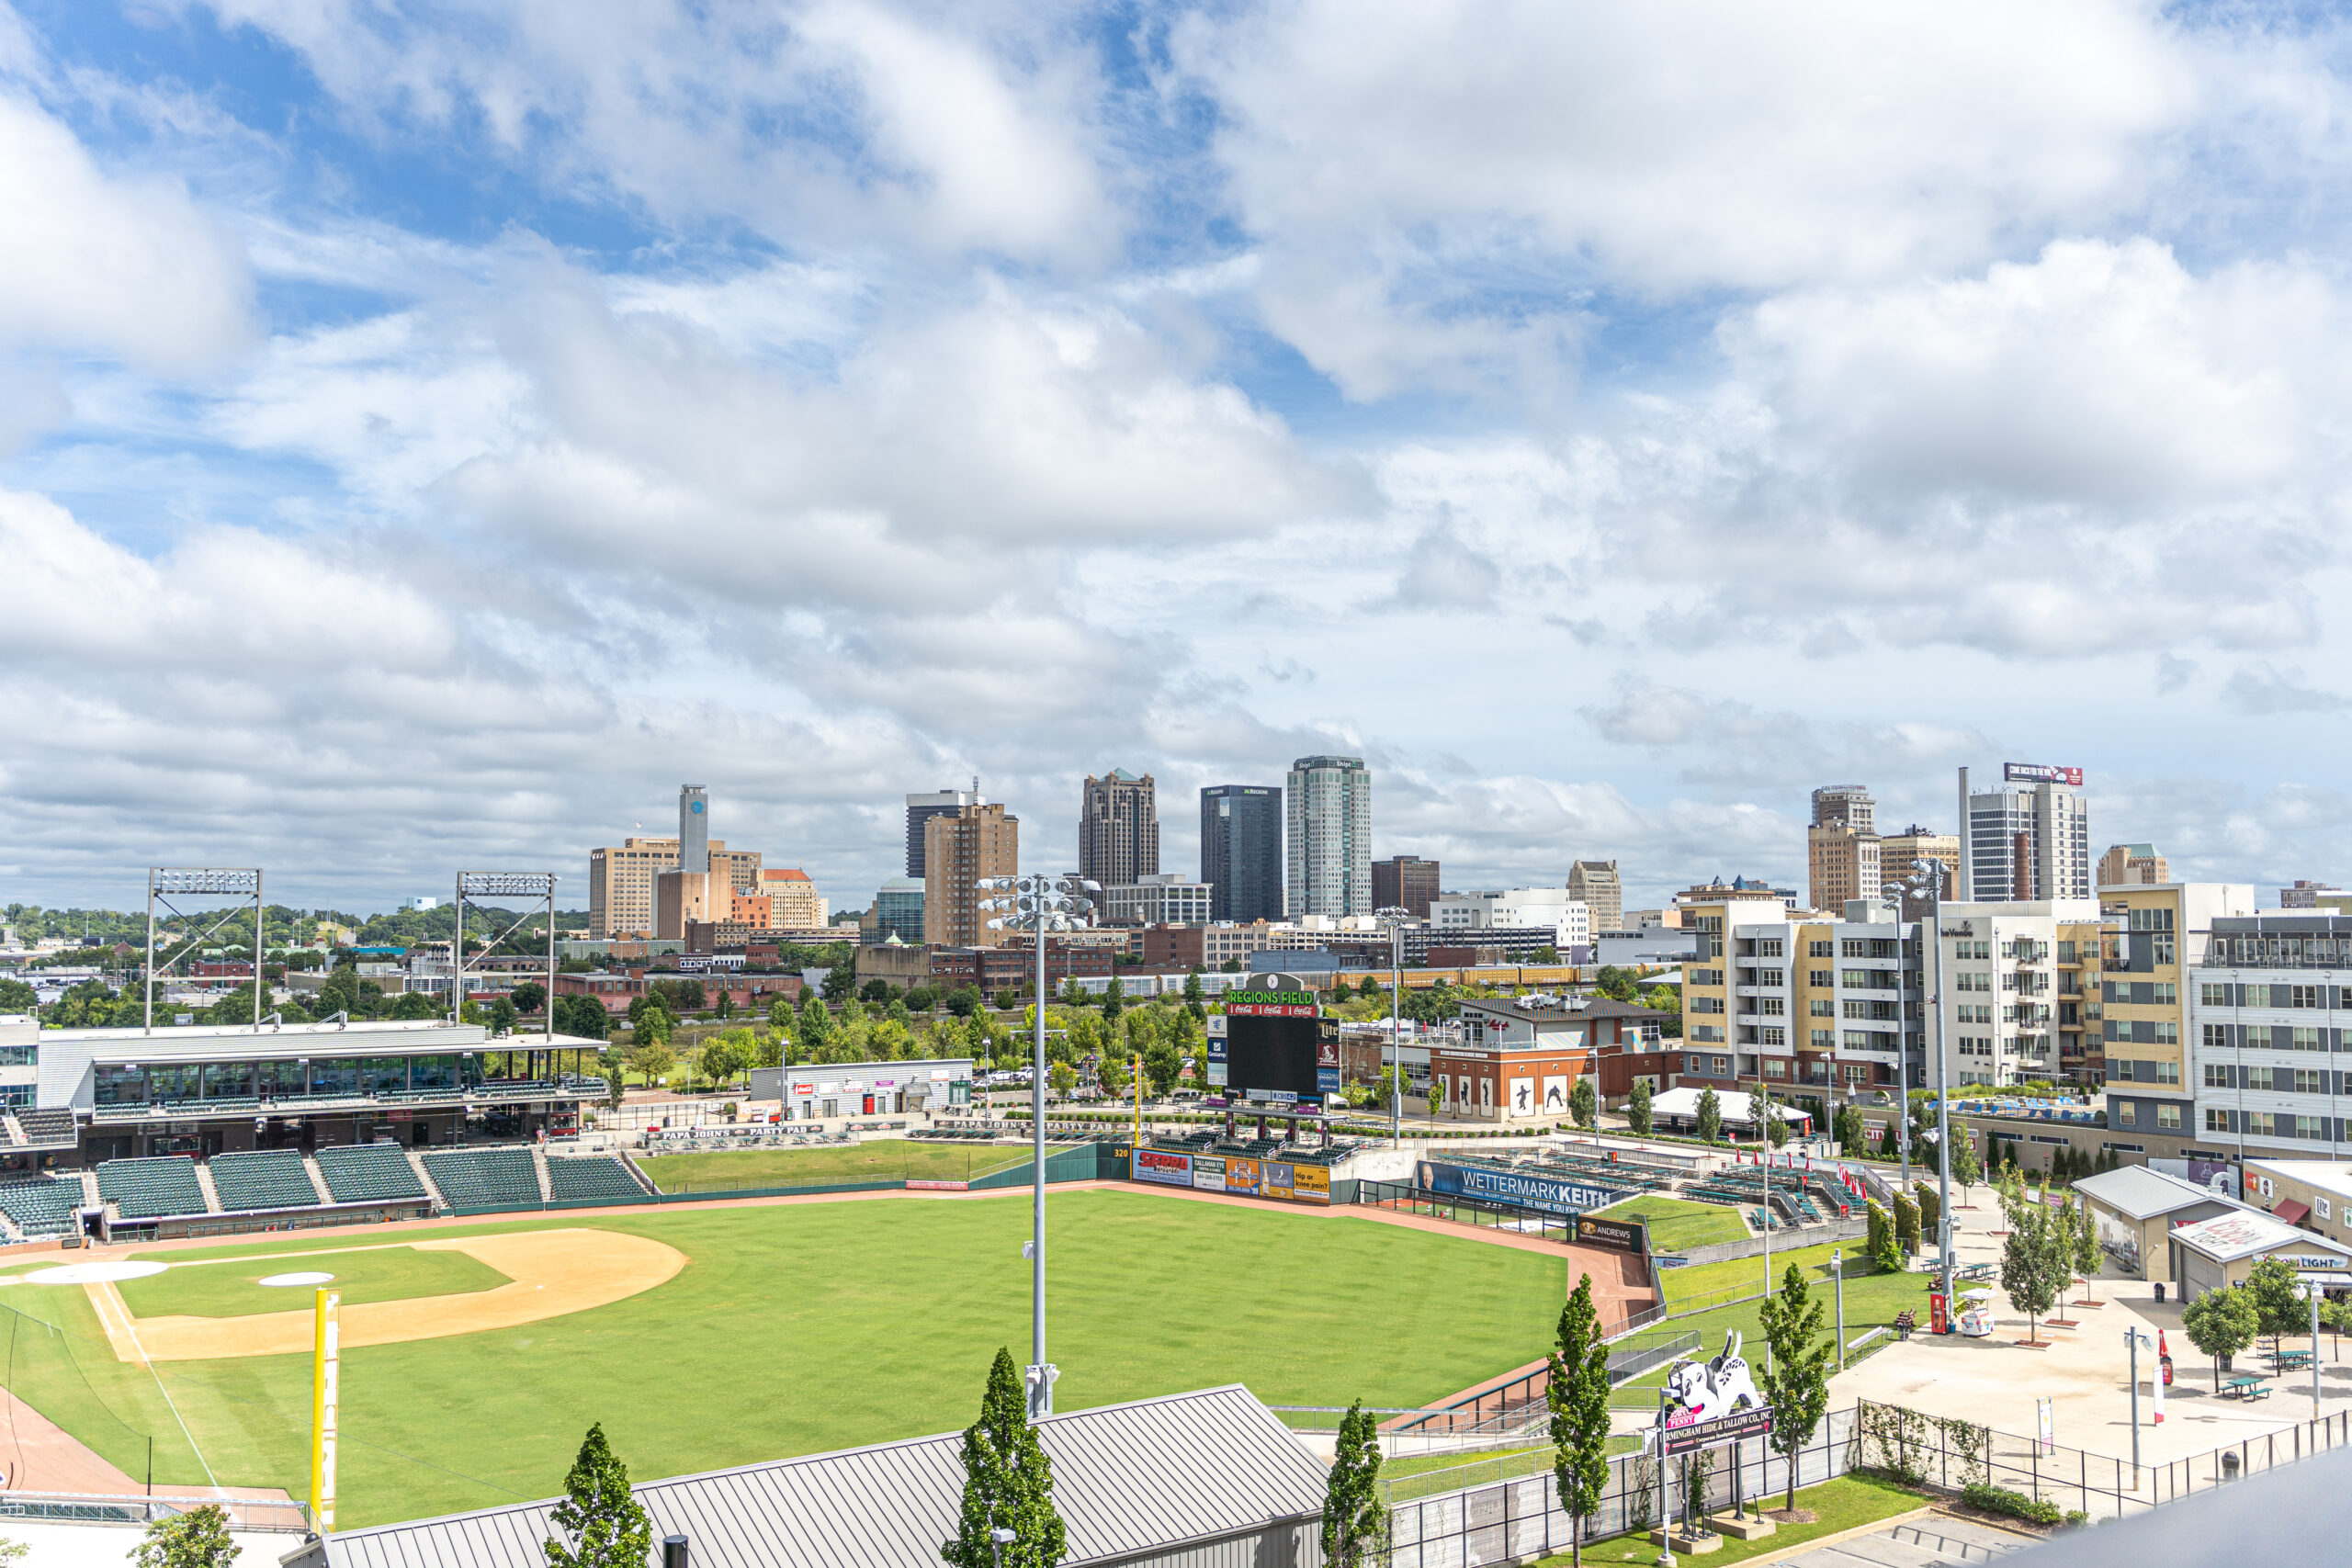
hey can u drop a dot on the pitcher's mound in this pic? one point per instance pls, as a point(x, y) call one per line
point(93, 1273)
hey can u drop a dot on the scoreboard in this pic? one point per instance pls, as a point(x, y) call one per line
point(1279, 1047)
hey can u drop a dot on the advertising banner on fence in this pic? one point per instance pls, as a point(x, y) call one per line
point(913, 1186)
point(1310, 1183)
point(1618, 1235)
point(1510, 1187)
point(1208, 1172)
point(1274, 1178)
point(1155, 1165)
point(1241, 1176)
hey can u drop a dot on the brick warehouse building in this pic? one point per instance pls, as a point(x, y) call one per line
point(1519, 1060)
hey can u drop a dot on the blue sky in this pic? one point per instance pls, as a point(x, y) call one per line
point(433, 432)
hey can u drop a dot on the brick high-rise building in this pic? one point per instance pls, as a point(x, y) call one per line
point(922, 809)
point(1118, 828)
point(1842, 858)
point(959, 851)
point(622, 877)
point(1404, 882)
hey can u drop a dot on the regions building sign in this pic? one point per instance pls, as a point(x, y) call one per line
point(2040, 772)
point(1556, 1193)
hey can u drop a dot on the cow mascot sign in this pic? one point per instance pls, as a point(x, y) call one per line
point(1703, 1390)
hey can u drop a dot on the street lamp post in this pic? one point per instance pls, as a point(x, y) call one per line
point(1396, 917)
point(1930, 875)
point(2133, 1340)
point(1039, 904)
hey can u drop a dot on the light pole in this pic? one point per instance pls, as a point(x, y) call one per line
point(2133, 1340)
point(1930, 874)
point(1838, 1273)
point(1039, 904)
point(1395, 917)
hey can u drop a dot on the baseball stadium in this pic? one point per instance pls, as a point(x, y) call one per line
point(175, 1200)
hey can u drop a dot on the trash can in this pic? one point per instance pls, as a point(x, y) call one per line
point(2160, 1290)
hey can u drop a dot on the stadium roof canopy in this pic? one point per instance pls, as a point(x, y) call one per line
point(1134, 1484)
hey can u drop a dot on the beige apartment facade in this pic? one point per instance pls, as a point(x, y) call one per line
point(2153, 938)
point(961, 850)
point(622, 881)
point(792, 895)
point(2128, 864)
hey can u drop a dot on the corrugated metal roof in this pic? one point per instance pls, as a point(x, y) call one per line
point(1128, 1479)
point(2136, 1190)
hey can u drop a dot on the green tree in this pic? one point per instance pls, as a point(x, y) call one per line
point(1637, 1107)
point(1161, 1064)
point(1619, 985)
point(1064, 1078)
point(840, 981)
point(654, 1059)
point(1711, 1116)
point(1576, 1388)
point(816, 1027)
point(2222, 1323)
point(413, 1005)
point(1907, 1224)
point(1584, 1103)
point(2278, 1303)
point(2088, 1256)
point(2037, 1260)
point(1008, 1483)
point(529, 996)
point(1340, 990)
point(197, 1539)
point(1193, 992)
point(583, 1018)
point(1796, 1377)
point(1114, 1000)
point(721, 1059)
point(502, 1015)
point(17, 997)
point(1932, 1214)
point(1965, 1167)
point(1355, 1525)
point(604, 1523)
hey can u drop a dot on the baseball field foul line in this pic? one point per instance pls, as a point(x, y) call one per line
point(111, 1309)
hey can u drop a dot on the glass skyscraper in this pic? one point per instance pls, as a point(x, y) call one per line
point(1241, 852)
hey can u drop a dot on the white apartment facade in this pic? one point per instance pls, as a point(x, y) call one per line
point(1161, 898)
point(1327, 806)
point(2270, 1018)
point(1516, 908)
point(1802, 1002)
point(1996, 981)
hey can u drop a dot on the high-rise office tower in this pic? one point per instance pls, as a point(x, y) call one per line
point(2030, 839)
point(1241, 852)
point(1404, 882)
point(922, 809)
point(1899, 855)
point(1842, 859)
point(1118, 828)
point(1330, 837)
point(694, 828)
point(1593, 884)
point(959, 851)
point(2136, 865)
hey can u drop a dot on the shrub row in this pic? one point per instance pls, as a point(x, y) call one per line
point(2016, 1505)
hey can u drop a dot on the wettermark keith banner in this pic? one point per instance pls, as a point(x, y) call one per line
point(1556, 1193)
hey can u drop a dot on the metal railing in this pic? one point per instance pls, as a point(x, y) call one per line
point(274, 1514)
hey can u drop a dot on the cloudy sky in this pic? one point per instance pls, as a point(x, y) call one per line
point(431, 432)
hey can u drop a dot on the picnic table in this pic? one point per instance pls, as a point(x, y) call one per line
point(1976, 1271)
point(2245, 1386)
point(2291, 1360)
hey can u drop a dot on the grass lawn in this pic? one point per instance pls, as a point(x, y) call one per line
point(884, 1159)
point(1870, 1299)
point(234, 1290)
point(796, 1328)
point(1842, 1503)
point(1677, 1223)
point(1746, 1273)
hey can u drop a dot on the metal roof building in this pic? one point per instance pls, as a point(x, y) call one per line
point(1205, 1480)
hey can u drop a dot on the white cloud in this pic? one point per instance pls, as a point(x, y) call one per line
point(125, 267)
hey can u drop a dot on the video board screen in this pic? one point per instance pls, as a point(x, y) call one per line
point(1271, 1039)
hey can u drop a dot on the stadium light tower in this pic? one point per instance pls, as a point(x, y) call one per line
point(1039, 904)
point(1927, 880)
point(165, 882)
point(1396, 917)
point(478, 885)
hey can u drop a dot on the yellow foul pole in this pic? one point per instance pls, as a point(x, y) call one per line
point(325, 1374)
point(1137, 1063)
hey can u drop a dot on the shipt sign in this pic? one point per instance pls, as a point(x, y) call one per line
point(2040, 772)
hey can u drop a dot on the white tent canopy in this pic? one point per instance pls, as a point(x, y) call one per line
point(1736, 1108)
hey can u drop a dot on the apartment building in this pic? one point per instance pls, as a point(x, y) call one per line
point(793, 899)
point(1404, 882)
point(1842, 847)
point(960, 851)
point(1456, 915)
point(1900, 856)
point(2272, 1009)
point(1792, 1002)
point(2001, 973)
point(2154, 938)
point(922, 809)
point(1594, 884)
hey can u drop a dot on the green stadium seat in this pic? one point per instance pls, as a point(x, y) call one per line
point(367, 1173)
point(599, 1177)
point(484, 1178)
point(42, 1207)
point(149, 1189)
point(266, 1179)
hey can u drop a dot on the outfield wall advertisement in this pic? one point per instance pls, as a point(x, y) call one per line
point(1173, 1170)
point(1550, 1192)
point(1219, 1173)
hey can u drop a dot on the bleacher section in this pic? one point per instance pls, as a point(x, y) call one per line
point(46, 1127)
point(598, 1176)
point(485, 1179)
point(267, 1179)
point(366, 1173)
point(147, 1189)
point(42, 1207)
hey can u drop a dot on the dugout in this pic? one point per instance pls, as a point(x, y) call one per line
point(1204, 1479)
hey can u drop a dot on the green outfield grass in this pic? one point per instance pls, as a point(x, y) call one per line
point(361, 1274)
point(1872, 1299)
point(1677, 1223)
point(1748, 1273)
point(801, 1328)
point(882, 1159)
